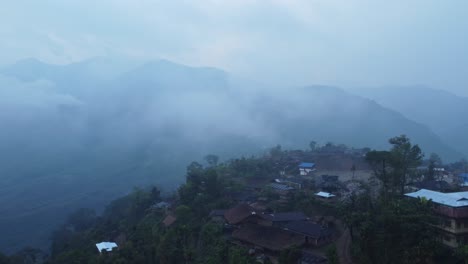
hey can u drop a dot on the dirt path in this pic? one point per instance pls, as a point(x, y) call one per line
point(343, 245)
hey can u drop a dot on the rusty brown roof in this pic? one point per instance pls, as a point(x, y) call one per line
point(267, 237)
point(169, 220)
point(239, 213)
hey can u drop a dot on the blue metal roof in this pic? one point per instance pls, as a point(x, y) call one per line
point(463, 175)
point(456, 199)
point(307, 165)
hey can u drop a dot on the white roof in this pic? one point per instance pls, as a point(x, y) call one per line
point(107, 246)
point(325, 194)
point(455, 199)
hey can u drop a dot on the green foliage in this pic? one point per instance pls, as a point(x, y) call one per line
point(384, 229)
point(4, 259)
point(332, 255)
point(404, 156)
point(138, 229)
point(396, 231)
point(291, 255)
point(313, 145)
point(276, 152)
point(393, 168)
point(434, 162)
point(462, 253)
point(239, 256)
point(183, 213)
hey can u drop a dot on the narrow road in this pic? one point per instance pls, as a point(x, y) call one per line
point(343, 246)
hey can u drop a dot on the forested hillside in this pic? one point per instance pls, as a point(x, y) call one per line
point(383, 226)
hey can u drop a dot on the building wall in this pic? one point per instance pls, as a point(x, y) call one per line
point(453, 240)
point(454, 225)
point(305, 171)
point(452, 212)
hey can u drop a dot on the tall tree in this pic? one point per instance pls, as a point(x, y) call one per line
point(434, 162)
point(403, 157)
point(313, 145)
point(379, 161)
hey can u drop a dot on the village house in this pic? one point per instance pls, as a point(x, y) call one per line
point(267, 237)
point(260, 206)
point(452, 208)
point(313, 234)
point(281, 219)
point(241, 214)
point(272, 231)
point(306, 167)
point(328, 182)
point(296, 183)
point(280, 188)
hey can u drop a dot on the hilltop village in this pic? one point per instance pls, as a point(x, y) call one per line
point(329, 204)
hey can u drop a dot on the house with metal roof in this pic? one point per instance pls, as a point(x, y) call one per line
point(306, 167)
point(282, 218)
point(313, 234)
point(452, 209)
point(280, 187)
point(295, 182)
point(454, 199)
point(267, 237)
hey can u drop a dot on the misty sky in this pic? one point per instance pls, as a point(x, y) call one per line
point(289, 42)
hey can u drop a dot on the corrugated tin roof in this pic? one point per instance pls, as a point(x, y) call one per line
point(307, 228)
point(280, 187)
point(285, 216)
point(107, 246)
point(455, 199)
point(325, 194)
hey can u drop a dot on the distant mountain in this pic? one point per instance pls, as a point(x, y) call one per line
point(441, 111)
point(82, 134)
point(331, 114)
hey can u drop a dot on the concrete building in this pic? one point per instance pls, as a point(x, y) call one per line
point(453, 211)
